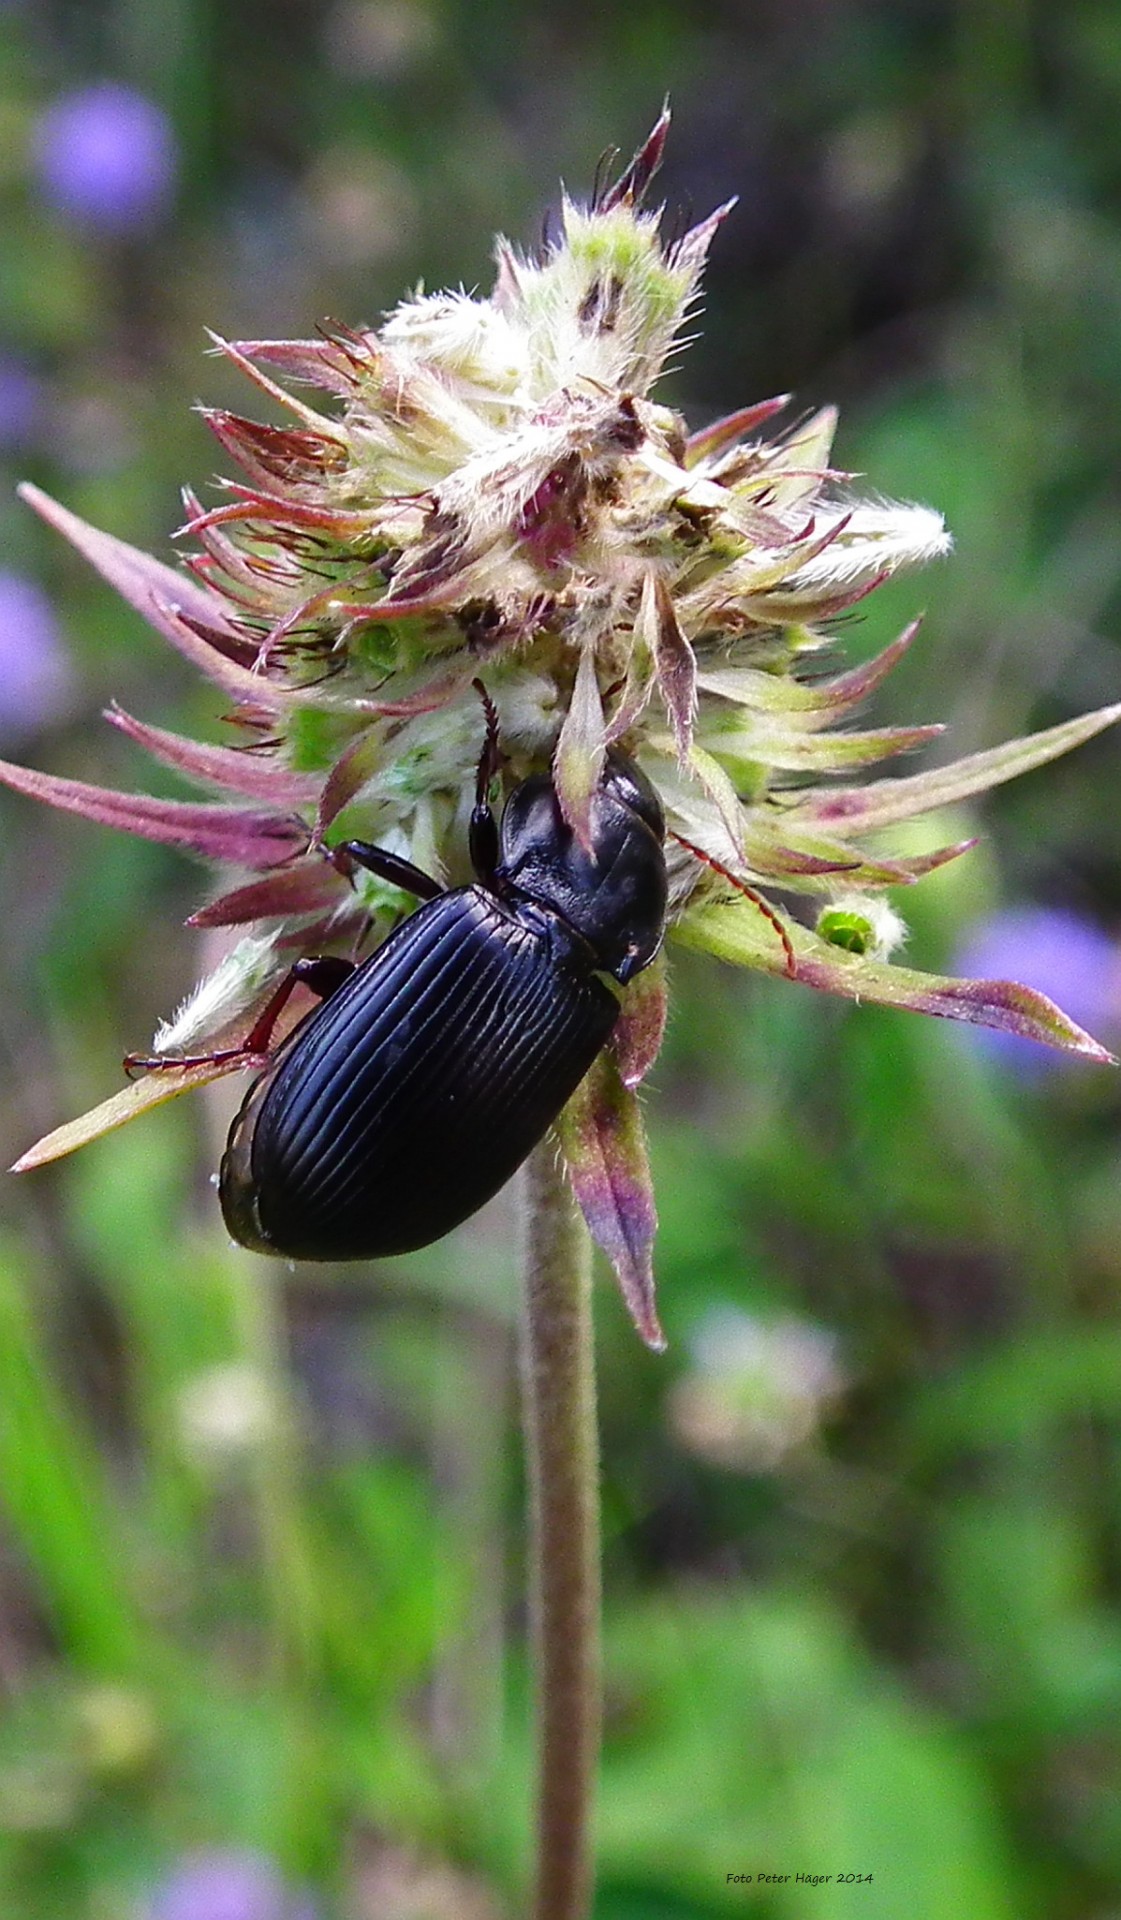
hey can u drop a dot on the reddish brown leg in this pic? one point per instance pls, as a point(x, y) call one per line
point(324, 974)
point(749, 893)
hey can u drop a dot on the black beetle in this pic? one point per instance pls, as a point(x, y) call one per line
point(433, 1068)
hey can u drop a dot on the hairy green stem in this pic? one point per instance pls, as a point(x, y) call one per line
point(562, 1451)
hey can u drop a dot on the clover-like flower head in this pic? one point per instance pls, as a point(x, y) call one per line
point(484, 489)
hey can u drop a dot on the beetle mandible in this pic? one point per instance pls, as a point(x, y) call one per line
point(398, 1107)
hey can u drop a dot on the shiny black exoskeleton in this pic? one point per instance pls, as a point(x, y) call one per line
point(405, 1101)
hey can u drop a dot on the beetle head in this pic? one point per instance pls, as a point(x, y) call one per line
point(614, 895)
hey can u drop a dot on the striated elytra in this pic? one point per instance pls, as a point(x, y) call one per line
point(432, 1069)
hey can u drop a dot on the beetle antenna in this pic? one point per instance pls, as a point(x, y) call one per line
point(749, 893)
point(488, 759)
point(483, 832)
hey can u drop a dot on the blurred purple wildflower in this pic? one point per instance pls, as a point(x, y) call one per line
point(106, 157)
point(1058, 951)
point(227, 1885)
point(21, 403)
point(36, 679)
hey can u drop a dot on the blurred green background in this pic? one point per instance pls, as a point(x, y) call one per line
point(261, 1627)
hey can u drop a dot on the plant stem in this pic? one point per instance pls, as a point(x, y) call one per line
point(562, 1451)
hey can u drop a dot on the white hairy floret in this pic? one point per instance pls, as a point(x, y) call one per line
point(876, 537)
point(221, 996)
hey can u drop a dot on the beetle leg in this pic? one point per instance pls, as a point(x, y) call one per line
point(483, 832)
point(749, 893)
point(391, 867)
point(323, 974)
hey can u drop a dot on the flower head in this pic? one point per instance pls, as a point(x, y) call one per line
point(36, 678)
point(226, 1885)
point(105, 158)
point(1063, 954)
point(21, 403)
point(757, 1391)
point(485, 488)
